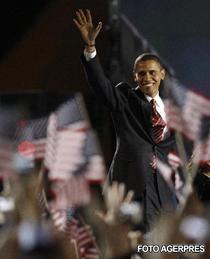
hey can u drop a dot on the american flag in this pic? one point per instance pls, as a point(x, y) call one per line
point(66, 135)
point(69, 193)
point(30, 138)
point(95, 169)
point(71, 112)
point(68, 154)
point(86, 244)
point(187, 111)
point(59, 219)
point(173, 178)
point(71, 155)
point(174, 160)
point(77, 233)
point(82, 236)
point(201, 152)
point(73, 159)
point(72, 146)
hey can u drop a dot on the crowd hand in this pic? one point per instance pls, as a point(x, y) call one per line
point(115, 196)
point(116, 231)
point(88, 31)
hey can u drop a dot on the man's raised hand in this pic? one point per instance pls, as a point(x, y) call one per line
point(83, 21)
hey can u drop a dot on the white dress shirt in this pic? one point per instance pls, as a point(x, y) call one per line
point(89, 55)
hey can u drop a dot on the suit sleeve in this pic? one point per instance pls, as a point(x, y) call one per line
point(108, 94)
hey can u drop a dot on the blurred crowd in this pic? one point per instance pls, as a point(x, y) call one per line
point(56, 203)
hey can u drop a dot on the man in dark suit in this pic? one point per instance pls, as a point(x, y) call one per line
point(139, 143)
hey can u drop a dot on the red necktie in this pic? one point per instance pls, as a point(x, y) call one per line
point(158, 123)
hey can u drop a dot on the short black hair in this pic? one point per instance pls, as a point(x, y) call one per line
point(147, 56)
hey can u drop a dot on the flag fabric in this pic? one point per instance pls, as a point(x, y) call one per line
point(201, 152)
point(73, 192)
point(187, 111)
point(30, 138)
point(59, 219)
point(95, 169)
point(71, 112)
point(66, 137)
point(172, 177)
point(174, 160)
point(85, 241)
point(68, 154)
point(72, 146)
point(73, 160)
point(81, 235)
point(31, 129)
point(72, 157)
point(40, 147)
point(86, 156)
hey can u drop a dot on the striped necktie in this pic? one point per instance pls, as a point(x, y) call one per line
point(158, 123)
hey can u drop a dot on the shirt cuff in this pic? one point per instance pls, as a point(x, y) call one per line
point(89, 55)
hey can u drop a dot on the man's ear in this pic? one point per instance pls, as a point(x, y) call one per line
point(134, 77)
point(163, 73)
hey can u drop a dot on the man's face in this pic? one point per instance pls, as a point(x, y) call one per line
point(148, 75)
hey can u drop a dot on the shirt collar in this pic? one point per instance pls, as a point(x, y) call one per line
point(156, 98)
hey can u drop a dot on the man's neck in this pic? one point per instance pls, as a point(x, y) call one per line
point(149, 98)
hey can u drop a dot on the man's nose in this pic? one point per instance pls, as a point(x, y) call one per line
point(147, 76)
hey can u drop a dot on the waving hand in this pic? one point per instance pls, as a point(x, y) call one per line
point(88, 31)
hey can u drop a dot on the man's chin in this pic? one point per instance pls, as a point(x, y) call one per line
point(150, 93)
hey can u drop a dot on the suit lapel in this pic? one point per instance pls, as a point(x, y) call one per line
point(145, 110)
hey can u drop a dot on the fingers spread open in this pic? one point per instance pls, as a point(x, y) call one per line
point(79, 18)
point(84, 19)
point(121, 191)
point(89, 17)
point(98, 28)
point(76, 23)
point(129, 196)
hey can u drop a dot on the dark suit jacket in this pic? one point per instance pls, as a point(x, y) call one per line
point(131, 114)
